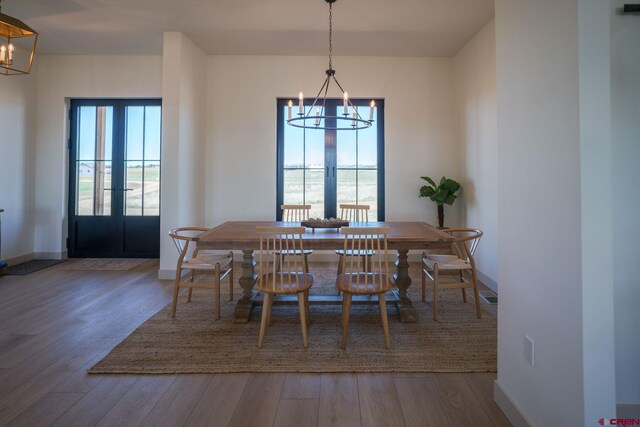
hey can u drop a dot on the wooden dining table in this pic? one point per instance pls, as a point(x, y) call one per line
point(403, 237)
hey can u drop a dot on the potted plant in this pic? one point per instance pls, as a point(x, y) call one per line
point(443, 193)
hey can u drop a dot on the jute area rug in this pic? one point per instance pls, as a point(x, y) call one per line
point(194, 342)
point(103, 263)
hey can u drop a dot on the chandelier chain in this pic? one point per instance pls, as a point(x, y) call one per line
point(330, 33)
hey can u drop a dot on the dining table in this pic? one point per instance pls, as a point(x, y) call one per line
point(403, 237)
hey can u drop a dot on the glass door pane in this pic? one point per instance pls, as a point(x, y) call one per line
point(304, 166)
point(142, 160)
point(357, 168)
point(94, 192)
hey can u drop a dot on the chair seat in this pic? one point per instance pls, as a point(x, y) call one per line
point(295, 252)
point(363, 283)
point(356, 252)
point(446, 262)
point(206, 261)
point(285, 283)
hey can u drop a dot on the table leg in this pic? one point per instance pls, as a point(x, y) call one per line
point(406, 309)
point(247, 282)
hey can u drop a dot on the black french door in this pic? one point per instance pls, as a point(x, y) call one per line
point(114, 178)
point(324, 168)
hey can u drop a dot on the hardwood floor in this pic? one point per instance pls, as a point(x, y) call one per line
point(56, 323)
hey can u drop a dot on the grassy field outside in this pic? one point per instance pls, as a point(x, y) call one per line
point(133, 198)
point(295, 182)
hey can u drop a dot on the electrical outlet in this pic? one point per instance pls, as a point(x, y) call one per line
point(529, 350)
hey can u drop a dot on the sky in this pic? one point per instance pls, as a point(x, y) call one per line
point(366, 155)
point(142, 136)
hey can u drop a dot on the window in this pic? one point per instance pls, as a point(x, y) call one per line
point(324, 168)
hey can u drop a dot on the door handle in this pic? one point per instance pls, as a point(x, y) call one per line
point(108, 189)
point(327, 171)
point(334, 171)
point(127, 189)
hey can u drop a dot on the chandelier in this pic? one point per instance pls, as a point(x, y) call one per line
point(316, 116)
point(12, 60)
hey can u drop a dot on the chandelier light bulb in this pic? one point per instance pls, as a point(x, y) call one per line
point(290, 104)
point(301, 103)
point(372, 105)
point(3, 54)
point(11, 49)
point(346, 103)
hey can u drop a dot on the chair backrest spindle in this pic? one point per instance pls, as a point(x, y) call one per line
point(274, 243)
point(295, 213)
point(376, 266)
point(354, 213)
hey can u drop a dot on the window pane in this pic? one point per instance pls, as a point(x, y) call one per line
point(346, 149)
point(86, 133)
point(133, 187)
point(85, 187)
point(314, 192)
point(368, 191)
point(151, 188)
point(314, 149)
point(152, 132)
point(346, 183)
point(134, 133)
point(368, 146)
point(293, 186)
point(293, 145)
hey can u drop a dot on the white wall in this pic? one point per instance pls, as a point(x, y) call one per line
point(58, 79)
point(474, 71)
point(241, 134)
point(546, 67)
point(626, 201)
point(17, 148)
point(183, 142)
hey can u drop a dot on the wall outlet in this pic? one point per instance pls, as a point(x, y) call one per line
point(529, 350)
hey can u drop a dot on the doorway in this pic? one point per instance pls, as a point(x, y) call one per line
point(114, 178)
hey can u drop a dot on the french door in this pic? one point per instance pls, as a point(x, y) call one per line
point(114, 178)
point(324, 168)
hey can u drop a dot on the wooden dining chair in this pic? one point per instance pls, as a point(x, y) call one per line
point(372, 279)
point(296, 213)
point(434, 266)
point(293, 278)
point(354, 214)
point(199, 262)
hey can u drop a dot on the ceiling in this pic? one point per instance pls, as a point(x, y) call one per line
point(255, 27)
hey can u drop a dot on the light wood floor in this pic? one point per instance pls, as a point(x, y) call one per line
point(55, 324)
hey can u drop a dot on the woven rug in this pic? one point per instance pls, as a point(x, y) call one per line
point(31, 266)
point(194, 342)
point(103, 263)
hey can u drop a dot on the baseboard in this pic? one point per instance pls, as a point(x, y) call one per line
point(487, 281)
point(20, 259)
point(627, 411)
point(511, 410)
point(50, 255)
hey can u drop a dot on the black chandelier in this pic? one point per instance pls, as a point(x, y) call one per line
point(316, 117)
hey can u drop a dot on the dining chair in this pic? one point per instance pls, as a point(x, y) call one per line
point(292, 279)
point(373, 279)
point(464, 244)
point(354, 214)
point(199, 262)
point(296, 213)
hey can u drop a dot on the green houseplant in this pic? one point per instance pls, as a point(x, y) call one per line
point(443, 193)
